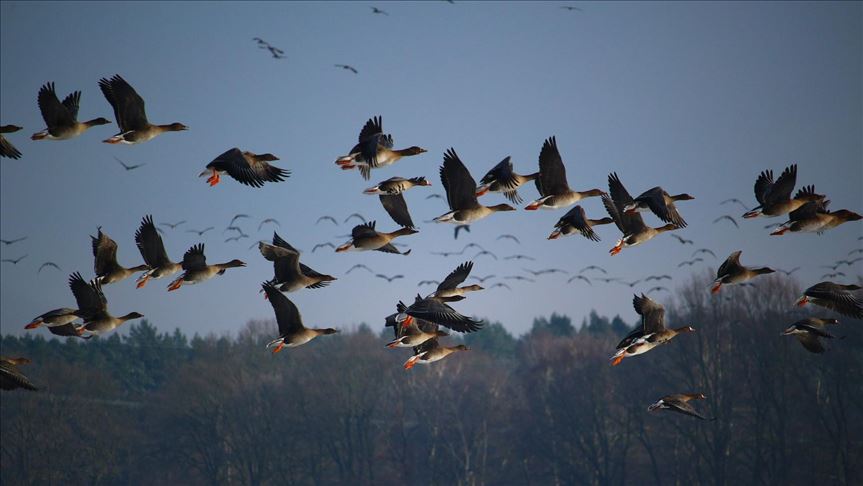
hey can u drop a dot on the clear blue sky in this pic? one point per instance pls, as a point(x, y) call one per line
point(697, 97)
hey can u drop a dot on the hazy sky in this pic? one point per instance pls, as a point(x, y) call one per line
point(697, 97)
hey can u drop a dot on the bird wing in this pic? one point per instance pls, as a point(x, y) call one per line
point(91, 301)
point(54, 113)
point(733, 261)
point(194, 258)
point(652, 313)
point(435, 311)
point(104, 253)
point(11, 378)
point(459, 185)
point(661, 207)
point(502, 174)
point(552, 173)
point(278, 241)
point(150, 244)
point(287, 315)
point(577, 218)
point(762, 186)
point(836, 297)
point(684, 408)
point(620, 198)
point(128, 105)
point(781, 190)
point(364, 230)
point(397, 208)
point(267, 172)
point(372, 127)
point(8, 150)
point(235, 164)
point(456, 277)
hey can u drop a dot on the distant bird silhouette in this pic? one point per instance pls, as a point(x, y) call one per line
point(499, 284)
point(704, 250)
point(236, 238)
point(858, 250)
point(788, 273)
point(359, 265)
point(657, 288)
point(537, 273)
point(485, 252)
point(579, 277)
point(471, 245)
point(735, 200)
point(269, 220)
point(434, 196)
point(276, 52)
point(571, 8)
point(238, 216)
point(690, 262)
point(519, 257)
point(200, 232)
point(482, 279)
point(16, 240)
point(389, 279)
point(832, 267)
point(682, 240)
point(127, 166)
point(327, 218)
point(378, 11)
point(234, 228)
point(49, 264)
point(630, 284)
point(729, 218)
point(172, 226)
point(593, 267)
point(14, 261)
point(347, 67)
point(849, 262)
point(833, 275)
point(606, 280)
point(428, 282)
point(519, 277)
point(511, 237)
point(323, 245)
point(355, 215)
point(657, 278)
point(446, 254)
point(460, 227)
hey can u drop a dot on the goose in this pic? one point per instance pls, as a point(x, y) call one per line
point(650, 334)
point(105, 264)
point(552, 184)
point(660, 203)
point(374, 150)
point(129, 113)
point(290, 274)
point(449, 287)
point(679, 403)
point(774, 198)
point(62, 118)
point(501, 178)
point(197, 270)
point(292, 332)
point(7, 149)
point(635, 232)
point(93, 307)
point(435, 310)
point(245, 167)
point(576, 220)
point(808, 331)
point(364, 237)
point(416, 333)
point(732, 272)
point(836, 297)
point(814, 217)
point(460, 190)
point(153, 252)
point(431, 351)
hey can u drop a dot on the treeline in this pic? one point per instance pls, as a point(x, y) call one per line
point(545, 408)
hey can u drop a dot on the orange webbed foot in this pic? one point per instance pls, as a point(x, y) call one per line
point(142, 282)
point(616, 361)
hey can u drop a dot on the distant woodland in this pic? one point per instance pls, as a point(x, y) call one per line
point(545, 408)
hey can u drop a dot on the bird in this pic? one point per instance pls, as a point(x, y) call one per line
point(606, 279)
point(858, 250)
point(732, 272)
point(11, 377)
point(327, 218)
point(245, 167)
point(234, 228)
point(172, 225)
point(679, 403)
point(461, 227)
point(471, 245)
point(519, 277)
point(658, 288)
point(682, 240)
point(593, 267)
point(196, 269)
point(508, 236)
point(355, 215)
point(788, 273)
point(447, 254)
point(6, 148)
point(388, 278)
point(499, 284)
point(269, 220)
point(657, 278)
point(809, 330)
point(737, 201)
point(485, 252)
point(374, 150)
point(276, 52)
point(56, 317)
point(661, 204)
point(152, 249)
point(130, 115)
point(571, 8)
point(292, 332)
point(635, 232)
point(650, 334)
point(774, 198)
point(729, 218)
point(236, 238)
point(434, 196)
point(537, 273)
point(378, 11)
point(200, 232)
point(49, 264)
point(482, 279)
point(359, 265)
point(323, 245)
point(520, 257)
point(552, 184)
point(849, 262)
point(105, 264)
point(14, 261)
point(364, 237)
point(431, 351)
point(833, 275)
point(814, 217)
point(704, 250)
point(238, 216)
point(449, 289)
point(501, 178)
point(347, 68)
point(62, 118)
point(396, 185)
point(460, 190)
point(10, 242)
point(576, 220)
point(579, 277)
point(690, 262)
point(289, 274)
point(438, 312)
point(415, 334)
point(427, 282)
point(93, 307)
point(629, 284)
point(397, 208)
point(836, 297)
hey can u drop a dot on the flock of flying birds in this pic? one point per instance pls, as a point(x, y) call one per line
point(417, 325)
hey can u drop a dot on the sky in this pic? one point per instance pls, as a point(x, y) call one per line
point(697, 97)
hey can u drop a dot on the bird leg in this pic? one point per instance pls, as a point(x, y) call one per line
point(176, 284)
point(34, 324)
point(142, 281)
point(279, 347)
point(214, 179)
point(411, 362)
point(715, 288)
